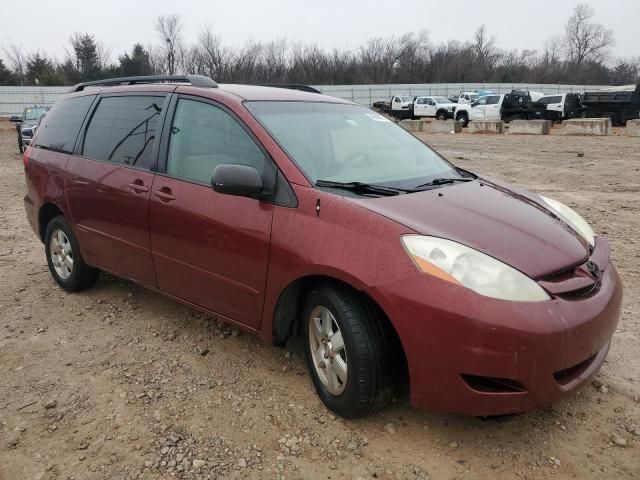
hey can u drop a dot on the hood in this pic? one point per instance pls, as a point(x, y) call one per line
point(504, 222)
point(28, 123)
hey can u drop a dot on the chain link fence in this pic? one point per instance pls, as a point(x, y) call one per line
point(13, 100)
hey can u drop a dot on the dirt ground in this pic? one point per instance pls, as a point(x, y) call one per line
point(120, 383)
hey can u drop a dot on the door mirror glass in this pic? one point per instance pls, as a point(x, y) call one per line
point(241, 180)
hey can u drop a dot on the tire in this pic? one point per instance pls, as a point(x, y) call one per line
point(60, 244)
point(366, 358)
point(441, 115)
point(464, 118)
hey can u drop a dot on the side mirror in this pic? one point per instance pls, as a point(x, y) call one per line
point(474, 103)
point(15, 119)
point(240, 180)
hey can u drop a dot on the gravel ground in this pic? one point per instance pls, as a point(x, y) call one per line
point(118, 382)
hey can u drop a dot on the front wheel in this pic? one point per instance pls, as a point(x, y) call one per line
point(464, 118)
point(441, 115)
point(63, 257)
point(348, 353)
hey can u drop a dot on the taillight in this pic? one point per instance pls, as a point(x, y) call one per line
point(27, 155)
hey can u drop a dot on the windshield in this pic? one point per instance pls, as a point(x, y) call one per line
point(441, 100)
point(406, 99)
point(350, 143)
point(33, 113)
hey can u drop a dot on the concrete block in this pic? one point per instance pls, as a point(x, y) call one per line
point(446, 126)
point(412, 125)
point(633, 128)
point(587, 126)
point(530, 127)
point(476, 126)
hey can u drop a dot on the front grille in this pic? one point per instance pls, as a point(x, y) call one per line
point(569, 374)
point(581, 293)
point(27, 133)
point(492, 384)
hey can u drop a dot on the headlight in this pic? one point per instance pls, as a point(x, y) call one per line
point(572, 218)
point(461, 265)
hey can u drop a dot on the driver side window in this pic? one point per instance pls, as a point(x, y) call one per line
point(481, 101)
point(204, 136)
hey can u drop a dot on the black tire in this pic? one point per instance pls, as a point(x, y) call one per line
point(464, 118)
point(20, 144)
point(368, 350)
point(441, 115)
point(81, 275)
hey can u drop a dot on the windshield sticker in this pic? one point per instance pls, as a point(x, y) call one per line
point(377, 117)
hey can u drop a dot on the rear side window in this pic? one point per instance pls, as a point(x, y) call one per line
point(557, 99)
point(123, 130)
point(493, 100)
point(59, 129)
point(204, 136)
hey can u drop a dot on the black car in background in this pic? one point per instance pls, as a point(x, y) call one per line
point(27, 124)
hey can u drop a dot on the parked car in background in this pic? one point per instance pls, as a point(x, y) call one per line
point(470, 97)
point(400, 106)
point(437, 107)
point(506, 106)
point(618, 103)
point(284, 211)
point(27, 124)
point(558, 107)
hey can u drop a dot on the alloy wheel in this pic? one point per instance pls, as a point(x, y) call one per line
point(61, 254)
point(328, 350)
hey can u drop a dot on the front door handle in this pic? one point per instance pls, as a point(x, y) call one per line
point(138, 187)
point(164, 194)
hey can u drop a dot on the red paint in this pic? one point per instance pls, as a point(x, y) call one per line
point(234, 256)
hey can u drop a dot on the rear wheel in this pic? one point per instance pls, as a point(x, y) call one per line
point(349, 354)
point(63, 257)
point(441, 115)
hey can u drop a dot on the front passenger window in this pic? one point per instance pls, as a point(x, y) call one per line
point(204, 136)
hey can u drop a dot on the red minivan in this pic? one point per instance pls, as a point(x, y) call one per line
point(294, 213)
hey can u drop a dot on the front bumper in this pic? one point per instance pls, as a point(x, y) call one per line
point(450, 334)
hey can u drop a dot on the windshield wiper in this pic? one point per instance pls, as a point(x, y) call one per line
point(361, 187)
point(443, 181)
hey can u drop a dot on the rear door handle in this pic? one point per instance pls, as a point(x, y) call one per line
point(164, 194)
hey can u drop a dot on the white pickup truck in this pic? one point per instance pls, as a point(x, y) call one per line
point(559, 107)
point(507, 107)
point(436, 107)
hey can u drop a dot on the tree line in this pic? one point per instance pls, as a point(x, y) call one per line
point(581, 54)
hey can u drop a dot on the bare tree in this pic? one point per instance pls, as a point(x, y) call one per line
point(170, 28)
point(585, 40)
point(17, 60)
point(486, 53)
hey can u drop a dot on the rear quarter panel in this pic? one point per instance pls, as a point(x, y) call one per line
point(45, 179)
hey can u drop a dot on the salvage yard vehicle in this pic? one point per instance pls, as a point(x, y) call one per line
point(510, 106)
point(287, 212)
point(618, 103)
point(27, 124)
point(437, 107)
point(400, 106)
point(556, 108)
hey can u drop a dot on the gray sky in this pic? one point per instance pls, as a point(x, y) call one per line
point(525, 24)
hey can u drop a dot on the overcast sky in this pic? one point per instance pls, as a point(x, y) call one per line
point(118, 24)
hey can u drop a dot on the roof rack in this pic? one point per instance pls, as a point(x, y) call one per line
point(294, 86)
point(194, 80)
